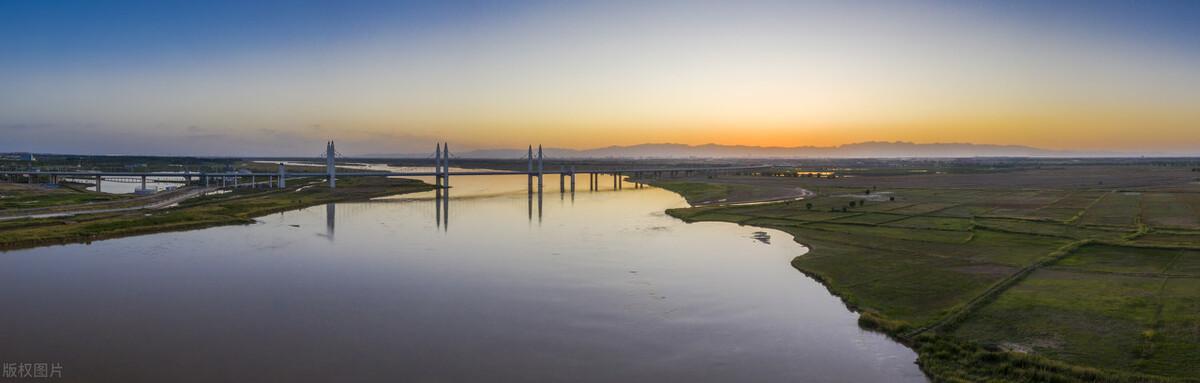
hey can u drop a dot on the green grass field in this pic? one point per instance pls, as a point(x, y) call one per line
point(237, 207)
point(24, 196)
point(995, 284)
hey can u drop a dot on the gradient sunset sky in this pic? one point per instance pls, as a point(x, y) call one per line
point(276, 78)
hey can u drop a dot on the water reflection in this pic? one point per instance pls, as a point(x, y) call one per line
point(330, 219)
point(608, 289)
point(441, 203)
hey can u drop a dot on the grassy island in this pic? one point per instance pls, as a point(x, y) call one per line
point(238, 206)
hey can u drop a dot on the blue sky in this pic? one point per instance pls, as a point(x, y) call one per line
point(64, 34)
point(268, 77)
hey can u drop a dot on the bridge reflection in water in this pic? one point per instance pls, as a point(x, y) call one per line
point(478, 188)
point(330, 219)
point(534, 198)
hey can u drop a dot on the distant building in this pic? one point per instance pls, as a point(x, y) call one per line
point(27, 157)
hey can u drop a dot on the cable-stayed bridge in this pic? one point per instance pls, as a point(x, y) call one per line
point(441, 172)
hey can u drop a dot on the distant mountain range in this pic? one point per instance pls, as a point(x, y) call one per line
point(859, 150)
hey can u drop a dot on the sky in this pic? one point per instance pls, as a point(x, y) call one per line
point(282, 77)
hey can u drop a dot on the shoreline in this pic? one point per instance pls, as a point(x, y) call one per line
point(238, 207)
point(940, 356)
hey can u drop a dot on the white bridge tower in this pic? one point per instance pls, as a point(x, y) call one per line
point(330, 169)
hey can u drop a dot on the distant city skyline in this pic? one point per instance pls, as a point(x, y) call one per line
point(273, 78)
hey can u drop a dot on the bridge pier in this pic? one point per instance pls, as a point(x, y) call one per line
point(282, 176)
point(98, 179)
point(572, 179)
point(562, 179)
point(529, 175)
point(143, 182)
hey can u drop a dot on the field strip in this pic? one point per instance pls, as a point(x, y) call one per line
point(1055, 202)
point(893, 250)
point(1156, 323)
point(997, 288)
point(1089, 207)
point(1123, 273)
point(1145, 245)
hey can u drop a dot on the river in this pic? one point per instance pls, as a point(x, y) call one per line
point(596, 287)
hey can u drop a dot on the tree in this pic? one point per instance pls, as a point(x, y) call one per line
point(808, 206)
point(852, 203)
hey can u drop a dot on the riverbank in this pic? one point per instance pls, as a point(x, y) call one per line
point(995, 283)
point(699, 192)
point(239, 206)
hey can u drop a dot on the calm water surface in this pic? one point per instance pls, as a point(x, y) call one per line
point(601, 287)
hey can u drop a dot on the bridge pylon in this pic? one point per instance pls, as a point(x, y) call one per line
point(446, 164)
point(330, 167)
point(437, 165)
point(529, 173)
